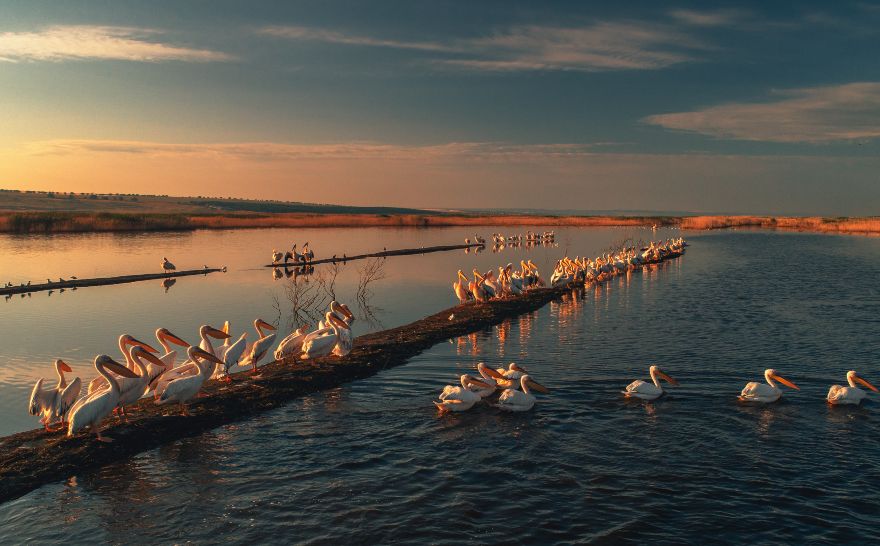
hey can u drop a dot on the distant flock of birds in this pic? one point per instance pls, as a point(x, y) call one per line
point(304, 257)
point(145, 372)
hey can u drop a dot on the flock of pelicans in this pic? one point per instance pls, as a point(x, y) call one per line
point(145, 372)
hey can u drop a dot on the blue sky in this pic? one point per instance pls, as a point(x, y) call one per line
point(728, 107)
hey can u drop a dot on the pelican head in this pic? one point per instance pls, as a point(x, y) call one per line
point(528, 384)
point(194, 352)
point(107, 363)
point(514, 367)
point(260, 323)
point(61, 366)
point(163, 333)
point(137, 352)
point(770, 375)
point(210, 331)
point(341, 309)
point(851, 376)
point(126, 339)
point(655, 370)
point(483, 369)
point(468, 380)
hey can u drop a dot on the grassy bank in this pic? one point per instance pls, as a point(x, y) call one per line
point(869, 225)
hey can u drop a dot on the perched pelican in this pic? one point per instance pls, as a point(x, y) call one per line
point(524, 400)
point(292, 344)
point(460, 287)
point(342, 312)
point(231, 357)
point(852, 395)
point(168, 359)
point(132, 389)
point(183, 389)
point(90, 410)
point(761, 392)
point(345, 340)
point(189, 367)
point(53, 402)
point(167, 266)
point(125, 341)
point(260, 348)
point(647, 391)
point(321, 342)
point(276, 256)
point(461, 398)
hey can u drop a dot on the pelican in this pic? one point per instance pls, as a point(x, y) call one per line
point(507, 377)
point(183, 389)
point(524, 400)
point(132, 389)
point(168, 359)
point(342, 312)
point(852, 395)
point(261, 346)
point(307, 253)
point(53, 402)
point(647, 391)
point(321, 342)
point(125, 341)
point(344, 344)
point(90, 410)
point(460, 287)
point(231, 357)
point(477, 289)
point(461, 398)
point(276, 256)
point(760, 392)
point(167, 266)
point(489, 377)
point(189, 367)
point(292, 344)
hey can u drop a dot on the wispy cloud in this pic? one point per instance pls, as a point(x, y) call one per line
point(334, 37)
point(79, 42)
point(269, 151)
point(715, 18)
point(598, 47)
point(813, 114)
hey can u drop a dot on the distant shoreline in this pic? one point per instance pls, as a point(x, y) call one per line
point(48, 222)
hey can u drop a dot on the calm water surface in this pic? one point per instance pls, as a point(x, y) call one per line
point(371, 462)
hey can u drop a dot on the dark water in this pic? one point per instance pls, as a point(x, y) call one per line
point(371, 462)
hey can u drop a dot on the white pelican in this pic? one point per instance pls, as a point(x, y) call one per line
point(461, 398)
point(292, 344)
point(183, 389)
point(125, 341)
point(276, 256)
point(765, 392)
point(189, 367)
point(165, 338)
point(476, 287)
point(132, 389)
point(647, 391)
point(460, 287)
point(321, 342)
point(231, 357)
point(489, 377)
point(167, 266)
point(90, 410)
point(852, 395)
point(514, 400)
point(260, 348)
point(53, 402)
point(342, 312)
point(508, 377)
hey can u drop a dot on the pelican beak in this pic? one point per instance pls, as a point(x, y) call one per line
point(479, 383)
point(668, 378)
point(265, 325)
point(67, 368)
point(785, 382)
point(207, 356)
point(138, 343)
point(168, 336)
point(492, 373)
point(152, 358)
point(518, 368)
point(538, 387)
point(118, 368)
point(216, 334)
point(346, 311)
point(857, 378)
point(339, 322)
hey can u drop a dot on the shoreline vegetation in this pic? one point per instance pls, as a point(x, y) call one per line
point(48, 222)
point(39, 212)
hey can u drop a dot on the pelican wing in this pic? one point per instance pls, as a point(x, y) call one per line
point(319, 346)
point(68, 397)
point(35, 404)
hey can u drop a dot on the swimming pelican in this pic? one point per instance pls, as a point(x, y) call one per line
point(125, 341)
point(321, 342)
point(647, 391)
point(460, 287)
point(260, 348)
point(524, 400)
point(454, 398)
point(292, 344)
point(276, 256)
point(852, 395)
point(508, 377)
point(167, 266)
point(183, 389)
point(489, 377)
point(90, 410)
point(53, 402)
point(761, 392)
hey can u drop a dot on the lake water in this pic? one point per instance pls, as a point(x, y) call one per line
point(372, 462)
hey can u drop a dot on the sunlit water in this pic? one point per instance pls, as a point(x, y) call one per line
point(371, 462)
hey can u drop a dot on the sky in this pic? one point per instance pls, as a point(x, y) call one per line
point(747, 107)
